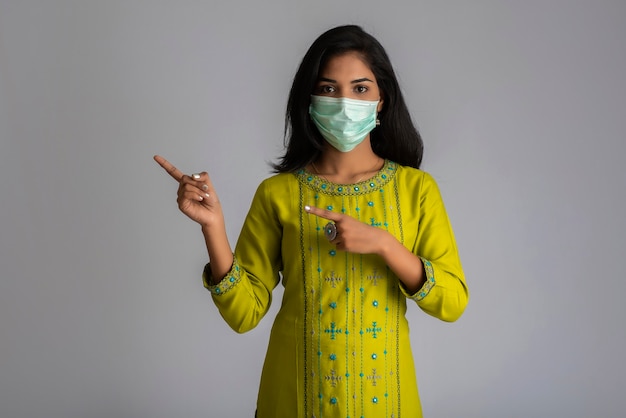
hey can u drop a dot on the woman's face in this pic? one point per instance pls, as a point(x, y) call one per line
point(348, 76)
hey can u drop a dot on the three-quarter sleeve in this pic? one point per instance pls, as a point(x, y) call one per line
point(444, 294)
point(244, 295)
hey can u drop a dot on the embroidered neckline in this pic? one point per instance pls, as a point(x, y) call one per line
point(321, 185)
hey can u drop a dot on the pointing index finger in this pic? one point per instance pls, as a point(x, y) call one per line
point(323, 213)
point(171, 170)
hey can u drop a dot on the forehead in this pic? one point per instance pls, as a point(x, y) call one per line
point(348, 65)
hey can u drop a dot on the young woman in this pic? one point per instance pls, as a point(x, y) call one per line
point(353, 228)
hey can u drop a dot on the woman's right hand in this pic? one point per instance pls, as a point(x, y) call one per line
point(196, 196)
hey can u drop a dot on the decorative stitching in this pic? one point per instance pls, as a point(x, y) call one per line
point(232, 278)
point(430, 281)
point(321, 185)
point(306, 302)
point(333, 378)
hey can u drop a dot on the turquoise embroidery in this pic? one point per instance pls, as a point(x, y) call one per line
point(333, 330)
point(232, 278)
point(324, 186)
point(336, 315)
point(430, 281)
point(374, 330)
point(374, 223)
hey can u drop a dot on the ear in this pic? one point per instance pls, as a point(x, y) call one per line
point(381, 101)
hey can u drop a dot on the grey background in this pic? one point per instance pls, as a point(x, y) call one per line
point(522, 106)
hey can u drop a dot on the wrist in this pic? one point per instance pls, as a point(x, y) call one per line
point(211, 227)
point(386, 243)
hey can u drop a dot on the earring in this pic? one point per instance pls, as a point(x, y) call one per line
point(377, 122)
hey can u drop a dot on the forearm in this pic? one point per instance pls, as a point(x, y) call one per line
point(406, 265)
point(219, 251)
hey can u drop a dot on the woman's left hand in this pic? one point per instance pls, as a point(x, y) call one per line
point(353, 235)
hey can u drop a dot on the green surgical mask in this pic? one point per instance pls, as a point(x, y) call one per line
point(344, 123)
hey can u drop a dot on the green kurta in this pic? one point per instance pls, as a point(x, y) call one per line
point(340, 343)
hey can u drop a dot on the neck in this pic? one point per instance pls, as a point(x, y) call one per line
point(347, 167)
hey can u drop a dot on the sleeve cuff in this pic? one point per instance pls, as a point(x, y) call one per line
point(232, 278)
point(426, 287)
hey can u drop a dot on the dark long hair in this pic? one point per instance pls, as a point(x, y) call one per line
point(396, 138)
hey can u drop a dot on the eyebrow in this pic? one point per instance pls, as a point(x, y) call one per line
point(358, 80)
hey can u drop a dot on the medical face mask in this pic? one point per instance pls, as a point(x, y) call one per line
point(344, 123)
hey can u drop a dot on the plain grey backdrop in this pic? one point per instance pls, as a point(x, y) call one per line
point(522, 106)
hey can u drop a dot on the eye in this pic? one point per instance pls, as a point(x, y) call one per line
point(361, 89)
point(325, 89)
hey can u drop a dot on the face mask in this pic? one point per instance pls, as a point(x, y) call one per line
point(344, 123)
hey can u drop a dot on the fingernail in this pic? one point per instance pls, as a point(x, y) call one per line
point(200, 198)
point(307, 208)
point(207, 195)
point(205, 187)
point(196, 176)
